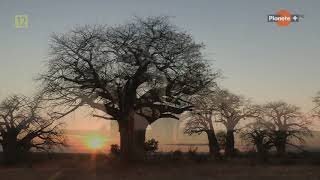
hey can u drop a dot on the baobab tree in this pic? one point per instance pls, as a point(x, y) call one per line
point(257, 133)
point(200, 120)
point(135, 73)
point(229, 110)
point(24, 125)
point(286, 125)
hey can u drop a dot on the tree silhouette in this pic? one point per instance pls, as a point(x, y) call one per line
point(136, 73)
point(258, 134)
point(24, 125)
point(201, 120)
point(229, 110)
point(286, 125)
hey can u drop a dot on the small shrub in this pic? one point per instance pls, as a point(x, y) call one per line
point(151, 145)
point(115, 149)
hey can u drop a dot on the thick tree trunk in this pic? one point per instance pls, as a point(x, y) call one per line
point(124, 141)
point(281, 149)
point(280, 142)
point(11, 153)
point(14, 151)
point(214, 148)
point(132, 144)
point(138, 126)
point(132, 138)
point(138, 147)
point(262, 152)
point(229, 148)
point(10, 156)
point(260, 148)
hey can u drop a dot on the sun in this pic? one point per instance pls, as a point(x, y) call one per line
point(95, 142)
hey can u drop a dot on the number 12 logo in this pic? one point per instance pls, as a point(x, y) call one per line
point(21, 21)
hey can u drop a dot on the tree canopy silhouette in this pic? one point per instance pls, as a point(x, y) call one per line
point(136, 73)
point(258, 134)
point(229, 110)
point(286, 125)
point(24, 125)
point(201, 119)
point(223, 107)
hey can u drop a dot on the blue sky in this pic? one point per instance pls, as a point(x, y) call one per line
point(258, 59)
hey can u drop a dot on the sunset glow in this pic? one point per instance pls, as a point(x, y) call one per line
point(95, 142)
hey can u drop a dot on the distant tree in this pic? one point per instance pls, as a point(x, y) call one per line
point(24, 125)
point(286, 125)
point(136, 73)
point(230, 109)
point(201, 120)
point(258, 134)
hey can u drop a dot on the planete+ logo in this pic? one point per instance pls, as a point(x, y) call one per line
point(284, 18)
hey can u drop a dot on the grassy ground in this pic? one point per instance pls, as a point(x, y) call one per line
point(78, 167)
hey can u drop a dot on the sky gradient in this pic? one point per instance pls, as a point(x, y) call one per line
point(258, 59)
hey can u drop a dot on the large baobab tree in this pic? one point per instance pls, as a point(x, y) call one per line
point(286, 124)
point(200, 120)
point(229, 110)
point(24, 125)
point(136, 73)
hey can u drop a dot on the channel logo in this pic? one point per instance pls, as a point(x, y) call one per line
point(284, 18)
point(21, 21)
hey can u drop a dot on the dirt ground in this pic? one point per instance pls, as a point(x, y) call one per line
point(92, 169)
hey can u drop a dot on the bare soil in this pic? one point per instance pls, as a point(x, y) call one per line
point(88, 168)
